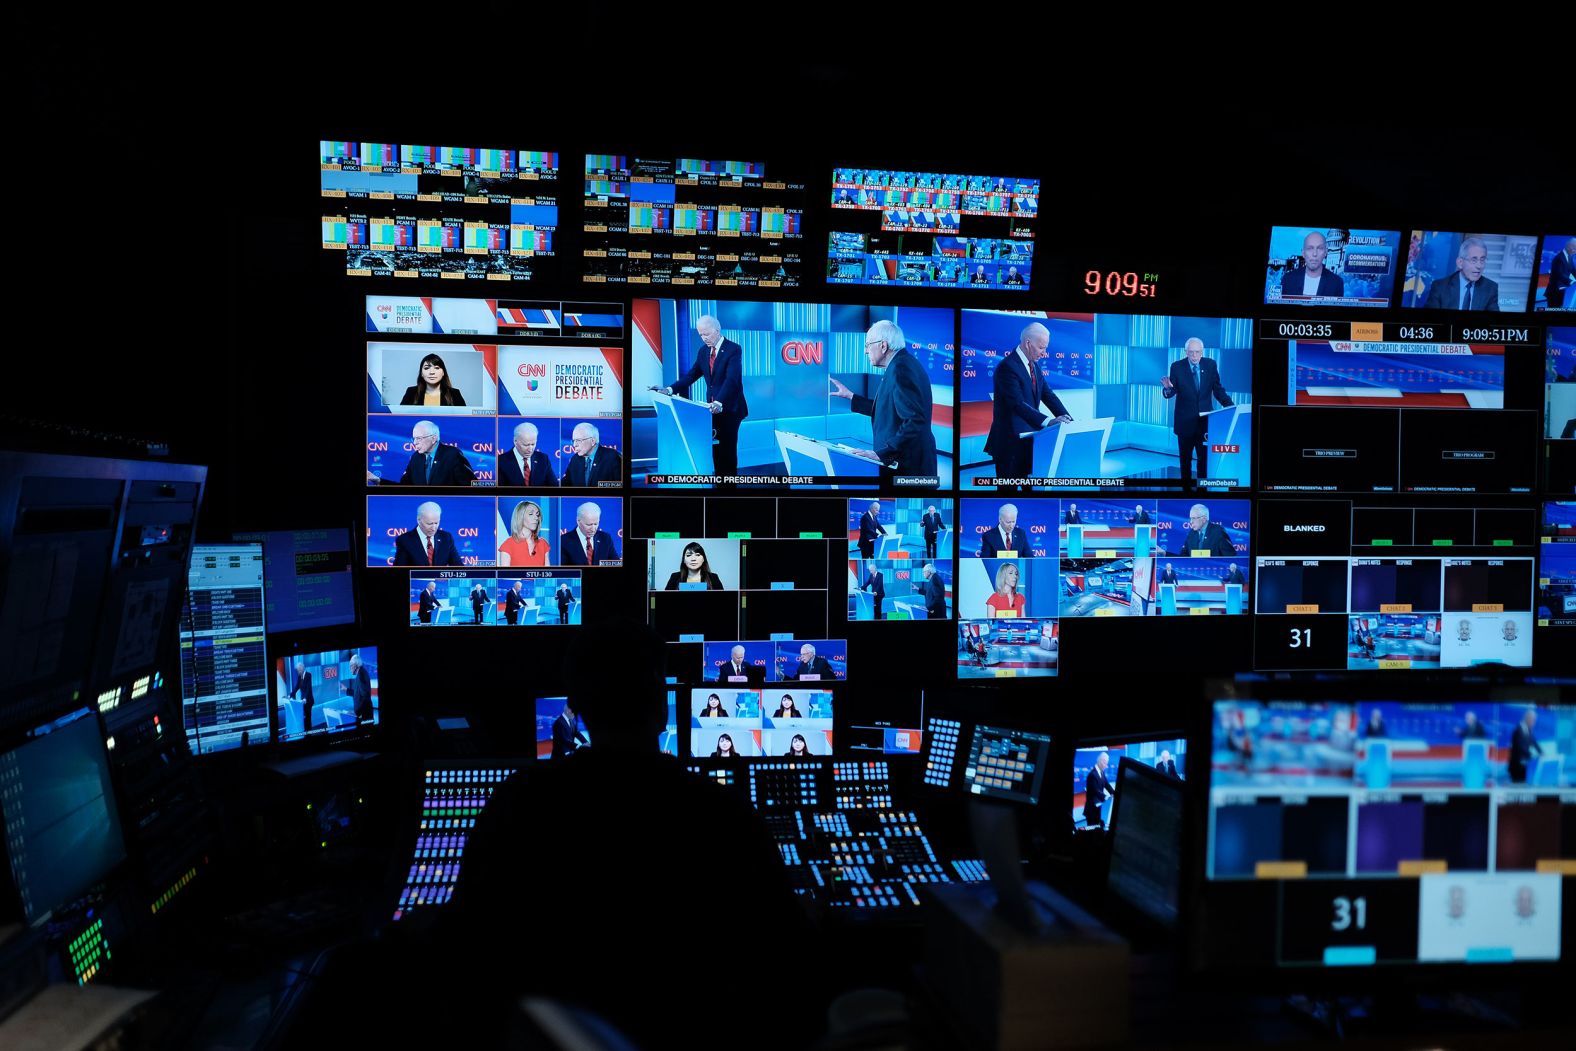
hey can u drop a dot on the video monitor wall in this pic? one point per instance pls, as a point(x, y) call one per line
point(1394, 832)
point(1094, 779)
point(441, 531)
point(1557, 566)
point(317, 694)
point(932, 229)
point(1344, 585)
point(1105, 401)
point(1382, 408)
point(458, 212)
point(1450, 270)
point(307, 580)
point(801, 394)
point(1556, 273)
point(468, 598)
point(899, 564)
point(1331, 266)
point(224, 649)
point(690, 221)
point(528, 414)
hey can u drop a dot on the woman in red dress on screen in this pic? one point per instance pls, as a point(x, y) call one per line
point(1006, 596)
point(526, 546)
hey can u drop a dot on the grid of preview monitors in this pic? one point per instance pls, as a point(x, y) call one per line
point(465, 212)
point(1397, 832)
point(690, 221)
point(932, 229)
point(514, 409)
point(1026, 564)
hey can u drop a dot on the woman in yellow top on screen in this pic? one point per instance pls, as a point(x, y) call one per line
point(432, 385)
point(526, 546)
point(1006, 595)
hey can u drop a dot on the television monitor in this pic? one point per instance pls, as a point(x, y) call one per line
point(1557, 566)
point(801, 397)
point(560, 731)
point(1451, 270)
point(307, 580)
point(224, 651)
point(899, 565)
point(1357, 832)
point(1551, 289)
point(1394, 408)
point(1006, 764)
point(62, 828)
point(1330, 266)
point(1007, 648)
point(891, 723)
point(1347, 585)
point(325, 693)
point(1108, 401)
point(1147, 825)
point(508, 532)
point(1165, 755)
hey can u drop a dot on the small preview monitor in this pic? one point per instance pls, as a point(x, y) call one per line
point(224, 652)
point(307, 580)
point(330, 692)
point(1006, 764)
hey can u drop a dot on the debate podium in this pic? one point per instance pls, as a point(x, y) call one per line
point(1474, 763)
point(1167, 595)
point(1071, 450)
point(1229, 442)
point(1143, 540)
point(811, 456)
point(684, 436)
point(1233, 599)
point(864, 605)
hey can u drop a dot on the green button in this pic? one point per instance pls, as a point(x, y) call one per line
point(667, 536)
point(1444, 543)
point(812, 536)
point(1504, 543)
point(735, 535)
point(1382, 543)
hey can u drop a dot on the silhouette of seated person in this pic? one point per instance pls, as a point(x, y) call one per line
point(575, 869)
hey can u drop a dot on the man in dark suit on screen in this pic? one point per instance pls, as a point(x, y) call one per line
point(870, 527)
point(1194, 382)
point(513, 602)
point(1007, 536)
point(810, 664)
point(931, 523)
point(564, 596)
point(427, 544)
point(1523, 747)
point(1561, 273)
point(875, 585)
point(905, 446)
point(427, 602)
point(592, 464)
point(1019, 402)
point(1204, 535)
point(523, 454)
point(1312, 279)
point(720, 362)
point(566, 733)
point(1097, 789)
point(934, 588)
point(1467, 288)
point(360, 690)
point(478, 600)
point(432, 462)
point(1165, 764)
point(586, 544)
point(303, 690)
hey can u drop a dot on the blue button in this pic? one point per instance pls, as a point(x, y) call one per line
point(782, 636)
point(1350, 956)
point(692, 638)
point(1491, 954)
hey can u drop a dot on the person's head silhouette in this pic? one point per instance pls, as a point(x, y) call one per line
point(623, 702)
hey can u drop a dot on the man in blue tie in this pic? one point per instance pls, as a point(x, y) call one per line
point(1195, 382)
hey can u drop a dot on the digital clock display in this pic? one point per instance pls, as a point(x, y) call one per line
point(1128, 284)
point(1305, 329)
point(1494, 335)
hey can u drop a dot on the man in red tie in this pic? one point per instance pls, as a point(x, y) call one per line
point(720, 362)
point(1019, 401)
point(587, 544)
point(426, 545)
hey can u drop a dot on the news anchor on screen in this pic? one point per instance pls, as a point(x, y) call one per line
point(360, 689)
point(900, 413)
point(427, 602)
point(810, 663)
point(426, 545)
point(934, 589)
point(432, 386)
point(1017, 392)
point(694, 568)
point(1006, 600)
point(524, 464)
point(875, 586)
point(567, 737)
point(870, 527)
point(738, 669)
point(1312, 278)
point(431, 462)
point(1193, 382)
point(1561, 274)
point(478, 600)
point(1007, 536)
point(586, 544)
point(931, 523)
point(1467, 288)
point(525, 545)
point(513, 603)
point(591, 465)
point(1204, 535)
point(720, 362)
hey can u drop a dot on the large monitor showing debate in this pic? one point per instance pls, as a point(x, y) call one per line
point(801, 394)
